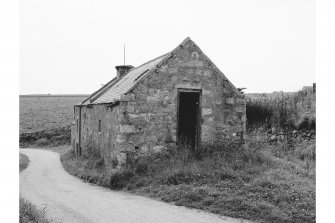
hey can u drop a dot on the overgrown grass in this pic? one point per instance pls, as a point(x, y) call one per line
point(30, 214)
point(261, 182)
point(285, 111)
point(24, 161)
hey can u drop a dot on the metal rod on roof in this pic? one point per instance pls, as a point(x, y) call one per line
point(124, 54)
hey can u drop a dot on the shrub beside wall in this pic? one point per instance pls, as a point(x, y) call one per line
point(295, 111)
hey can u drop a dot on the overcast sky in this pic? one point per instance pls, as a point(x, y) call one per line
point(73, 46)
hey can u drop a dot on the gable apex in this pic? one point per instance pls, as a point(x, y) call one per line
point(210, 63)
point(117, 87)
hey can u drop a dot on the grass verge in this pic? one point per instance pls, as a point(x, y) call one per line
point(24, 161)
point(30, 214)
point(261, 182)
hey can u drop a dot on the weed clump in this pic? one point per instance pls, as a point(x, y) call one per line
point(30, 214)
point(286, 112)
point(247, 181)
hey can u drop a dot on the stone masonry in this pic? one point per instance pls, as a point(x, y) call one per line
point(144, 120)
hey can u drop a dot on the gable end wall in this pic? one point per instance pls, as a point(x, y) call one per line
point(151, 112)
point(145, 121)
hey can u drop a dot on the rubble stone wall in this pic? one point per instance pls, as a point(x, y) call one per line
point(105, 141)
point(145, 120)
point(148, 115)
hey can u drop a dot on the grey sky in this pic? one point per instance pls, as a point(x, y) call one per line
point(72, 46)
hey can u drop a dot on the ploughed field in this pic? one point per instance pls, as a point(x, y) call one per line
point(39, 113)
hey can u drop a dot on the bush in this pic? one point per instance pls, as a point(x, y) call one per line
point(120, 179)
point(30, 214)
point(259, 113)
point(141, 167)
point(303, 124)
point(178, 176)
point(42, 142)
point(312, 123)
point(24, 161)
point(282, 112)
point(308, 152)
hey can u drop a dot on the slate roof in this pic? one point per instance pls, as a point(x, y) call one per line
point(112, 91)
point(115, 88)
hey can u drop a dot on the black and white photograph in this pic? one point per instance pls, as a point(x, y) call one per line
point(173, 111)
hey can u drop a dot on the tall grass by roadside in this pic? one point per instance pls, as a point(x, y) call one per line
point(284, 112)
point(266, 183)
point(30, 214)
point(24, 161)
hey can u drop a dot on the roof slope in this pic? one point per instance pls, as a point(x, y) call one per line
point(113, 90)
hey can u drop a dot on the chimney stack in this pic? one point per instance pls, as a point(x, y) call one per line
point(122, 70)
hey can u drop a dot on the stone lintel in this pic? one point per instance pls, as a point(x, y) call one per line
point(189, 86)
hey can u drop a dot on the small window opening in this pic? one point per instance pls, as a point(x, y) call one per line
point(77, 149)
point(99, 127)
point(77, 125)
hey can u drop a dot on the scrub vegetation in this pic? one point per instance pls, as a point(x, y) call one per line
point(292, 111)
point(30, 214)
point(258, 181)
point(263, 181)
point(24, 161)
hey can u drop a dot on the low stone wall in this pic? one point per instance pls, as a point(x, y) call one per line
point(274, 135)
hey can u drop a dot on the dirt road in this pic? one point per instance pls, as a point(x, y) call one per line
point(46, 183)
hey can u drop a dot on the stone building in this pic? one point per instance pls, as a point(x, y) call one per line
point(178, 97)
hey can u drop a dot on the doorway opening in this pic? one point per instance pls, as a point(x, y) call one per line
point(188, 115)
point(77, 149)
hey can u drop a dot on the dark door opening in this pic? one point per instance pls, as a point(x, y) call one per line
point(188, 118)
point(77, 149)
